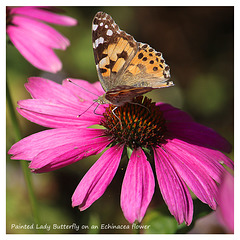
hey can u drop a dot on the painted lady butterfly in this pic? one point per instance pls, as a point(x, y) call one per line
point(126, 68)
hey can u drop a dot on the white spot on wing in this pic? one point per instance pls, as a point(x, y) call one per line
point(94, 27)
point(109, 32)
point(101, 24)
point(103, 62)
point(98, 41)
point(106, 26)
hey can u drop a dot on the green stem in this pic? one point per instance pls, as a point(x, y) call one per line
point(24, 164)
point(137, 229)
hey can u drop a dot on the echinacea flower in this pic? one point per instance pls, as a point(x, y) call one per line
point(36, 40)
point(185, 153)
point(225, 211)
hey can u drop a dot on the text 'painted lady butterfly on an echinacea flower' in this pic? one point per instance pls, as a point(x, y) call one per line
point(126, 68)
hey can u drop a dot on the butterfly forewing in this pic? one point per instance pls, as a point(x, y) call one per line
point(113, 49)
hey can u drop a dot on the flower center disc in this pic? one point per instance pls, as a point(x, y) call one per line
point(136, 124)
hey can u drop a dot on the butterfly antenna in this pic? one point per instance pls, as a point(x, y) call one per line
point(82, 87)
point(91, 104)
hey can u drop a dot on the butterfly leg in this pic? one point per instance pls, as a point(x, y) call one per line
point(139, 105)
point(96, 109)
point(113, 111)
point(88, 109)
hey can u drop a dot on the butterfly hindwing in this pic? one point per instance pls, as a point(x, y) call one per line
point(122, 94)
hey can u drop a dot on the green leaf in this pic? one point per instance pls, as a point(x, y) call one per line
point(129, 152)
point(160, 223)
point(160, 220)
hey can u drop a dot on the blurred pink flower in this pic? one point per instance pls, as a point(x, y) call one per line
point(34, 39)
point(225, 211)
point(185, 152)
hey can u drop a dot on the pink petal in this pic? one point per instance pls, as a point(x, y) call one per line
point(41, 32)
point(218, 156)
point(34, 51)
point(138, 187)
point(67, 93)
point(42, 88)
point(211, 160)
point(50, 113)
point(61, 156)
point(194, 175)
point(225, 210)
point(181, 125)
point(98, 86)
point(64, 106)
point(31, 146)
point(174, 191)
point(97, 179)
point(198, 134)
point(44, 15)
point(83, 89)
point(173, 114)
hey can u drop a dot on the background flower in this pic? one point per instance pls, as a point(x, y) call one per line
point(225, 210)
point(185, 152)
point(34, 39)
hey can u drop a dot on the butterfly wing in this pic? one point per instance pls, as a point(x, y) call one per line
point(122, 94)
point(121, 60)
point(113, 50)
point(147, 69)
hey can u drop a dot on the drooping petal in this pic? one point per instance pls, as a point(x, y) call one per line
point(137, 187)
point(97, 179)
point(44, 15)
point(193, 174)
point(41, 32)
point(34, 51)
point(174, 191)
point(31, 146)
